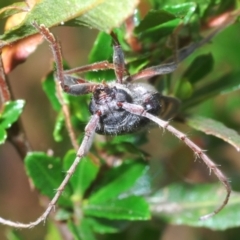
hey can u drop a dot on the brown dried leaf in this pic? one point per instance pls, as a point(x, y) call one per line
point(12, 55)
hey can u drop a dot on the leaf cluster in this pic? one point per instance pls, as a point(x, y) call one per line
point(114, 191)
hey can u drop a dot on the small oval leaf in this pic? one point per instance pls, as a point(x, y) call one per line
point(3, 135)
point(46, 174)
point(85, 173)
point(215, 128)
point(11, 112)
point(183, 204)
point(130, 208)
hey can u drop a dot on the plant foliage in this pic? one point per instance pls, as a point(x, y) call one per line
point(103, 200)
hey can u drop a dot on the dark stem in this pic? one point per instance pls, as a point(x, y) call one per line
point(16, 133)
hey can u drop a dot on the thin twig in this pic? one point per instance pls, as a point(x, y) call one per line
point(4, 90)
point(66, 114)
point(16, 134)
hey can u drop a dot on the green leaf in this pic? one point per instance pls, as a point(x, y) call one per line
point(49, 87)
point(11, 112)
point(3, 135)
point(227, 83)
point(80, 115)
point(63, 214)
point(137, 139)
point(59, 124)
point(103, 15)
point(52, 232)
point(215, 128)
point(12, 9)
point(123, 147)
point(137, 64)
point(182, 10)
point(113, 200)
point(183, 89)
point(13, 235)
point(157, 24)
point(130, 208)
point(153, 19)
point(74, 230)
point(83, 231)
point(183, 204)
point(46, 174)
point(201, 5)
point(86, 230)
point(101, 51)
point(143, 185)
point(85, 173)
point(102, 225)
point(126, 143)
point(199, 68)
point(118, 181)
